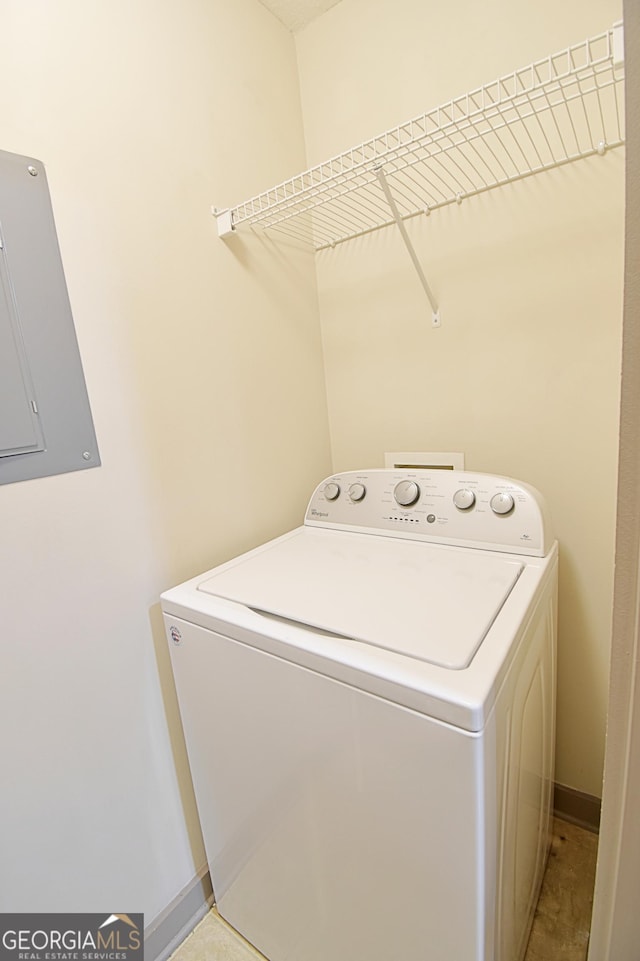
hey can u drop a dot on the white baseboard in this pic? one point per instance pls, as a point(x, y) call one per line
point(169, 929)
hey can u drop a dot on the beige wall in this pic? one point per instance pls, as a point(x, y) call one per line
point(523, 375)
point(204, 370)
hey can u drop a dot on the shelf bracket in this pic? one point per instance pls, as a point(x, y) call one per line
point(379, 172)
point(224, 221)
point(618, 43)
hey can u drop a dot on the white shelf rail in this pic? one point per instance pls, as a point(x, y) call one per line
point(557, 110)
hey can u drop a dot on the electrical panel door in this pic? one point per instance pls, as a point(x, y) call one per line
point(45, 420)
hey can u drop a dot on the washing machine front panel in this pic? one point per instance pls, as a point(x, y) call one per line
point(354, 830)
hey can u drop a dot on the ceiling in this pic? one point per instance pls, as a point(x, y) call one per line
point(296, 14)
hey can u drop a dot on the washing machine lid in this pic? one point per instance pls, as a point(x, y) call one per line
point(433, 603)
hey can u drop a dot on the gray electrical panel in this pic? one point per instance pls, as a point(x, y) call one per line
point(45, 420)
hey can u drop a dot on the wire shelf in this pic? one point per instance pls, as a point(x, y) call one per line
point(553, 112)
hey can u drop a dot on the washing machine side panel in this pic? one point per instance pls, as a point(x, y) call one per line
point(337, 824)
point(525, 748)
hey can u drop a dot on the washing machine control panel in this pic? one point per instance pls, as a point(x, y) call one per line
point(443, 506)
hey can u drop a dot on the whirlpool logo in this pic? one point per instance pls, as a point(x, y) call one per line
point(71, 937)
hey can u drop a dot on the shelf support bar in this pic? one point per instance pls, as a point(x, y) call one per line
point(379, 172)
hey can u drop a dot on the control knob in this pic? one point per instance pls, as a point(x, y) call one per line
point(331, 491)
point(406, 493)
point(464, 499)
point(502, 503)
point(356, 492)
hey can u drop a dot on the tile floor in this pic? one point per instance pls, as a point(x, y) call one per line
point(560, 929)
point(561, 925)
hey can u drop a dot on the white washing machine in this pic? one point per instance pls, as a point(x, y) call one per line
point(368, 707)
